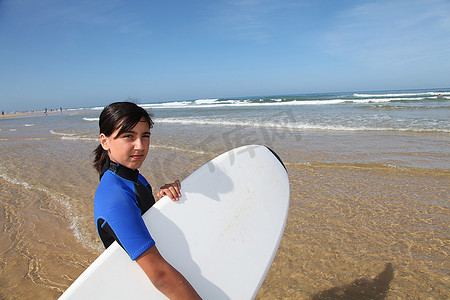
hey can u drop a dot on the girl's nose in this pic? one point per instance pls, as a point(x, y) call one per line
point(138, 145)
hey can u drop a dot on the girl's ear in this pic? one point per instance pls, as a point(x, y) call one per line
point(104, 141)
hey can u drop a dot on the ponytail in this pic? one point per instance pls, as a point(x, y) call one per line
point(100, 156)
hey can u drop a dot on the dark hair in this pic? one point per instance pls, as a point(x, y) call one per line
point(123, 115)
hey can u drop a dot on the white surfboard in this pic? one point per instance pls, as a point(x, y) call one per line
point(222, 235)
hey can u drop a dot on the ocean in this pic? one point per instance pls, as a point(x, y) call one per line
point(369, 176)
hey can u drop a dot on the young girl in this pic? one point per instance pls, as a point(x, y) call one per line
point(123, 195)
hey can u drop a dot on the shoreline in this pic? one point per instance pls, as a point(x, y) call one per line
point(26, 114)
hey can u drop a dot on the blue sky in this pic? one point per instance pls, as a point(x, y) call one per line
point(89, 53)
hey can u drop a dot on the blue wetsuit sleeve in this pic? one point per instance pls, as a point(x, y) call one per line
point(116, 205)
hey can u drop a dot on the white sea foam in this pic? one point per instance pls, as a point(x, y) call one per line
point(292, 126)
point(438, 93)
point(74, 136)
point(75, 220)
point(29, 125)
point(205, 101)
point(280, 102)
point(378, 100)
point(194, 121)
point(63, 201)
point(394, 166)
point(91, 119)
point(388, 95)
point(166, 104)
point(401, 94)
point(80, 138)
point(52, 131)
point(178, 149)
point(15, 181)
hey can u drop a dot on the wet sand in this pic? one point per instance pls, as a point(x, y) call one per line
point(358, 227)
point(363, 232)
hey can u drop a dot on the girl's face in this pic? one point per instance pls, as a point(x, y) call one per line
point(129, 148)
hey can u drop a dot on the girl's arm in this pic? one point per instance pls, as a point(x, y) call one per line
point(165, 277)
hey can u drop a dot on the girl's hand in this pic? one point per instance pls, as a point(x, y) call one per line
point(172, 190)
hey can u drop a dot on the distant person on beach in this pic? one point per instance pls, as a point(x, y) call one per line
point(123, 195)
point(3, 113)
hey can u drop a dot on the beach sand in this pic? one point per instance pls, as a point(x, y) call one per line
point(357, 228)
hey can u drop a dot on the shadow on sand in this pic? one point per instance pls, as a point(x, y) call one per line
point(362, 288)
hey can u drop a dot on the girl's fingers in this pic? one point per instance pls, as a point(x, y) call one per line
point(172, 190)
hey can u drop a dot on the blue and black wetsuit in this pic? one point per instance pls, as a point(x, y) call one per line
point(122, 197)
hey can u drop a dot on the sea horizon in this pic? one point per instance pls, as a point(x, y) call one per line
point(445, 91)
